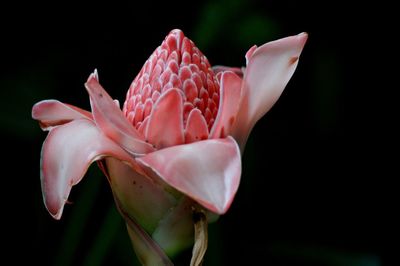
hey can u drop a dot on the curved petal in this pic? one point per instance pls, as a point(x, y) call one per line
point(207, 171)
point(67, 152)
point(268, 71)
point(250, 53)
point(52, 113)
point(111, 121)
point(196, 127)
point(165, 126)
point(230, 94)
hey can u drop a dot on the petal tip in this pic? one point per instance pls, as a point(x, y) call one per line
point(302, 38)
point(305, 34)
point(39, 107)
point(54, 206)
point(218, 209)
point(249, 53)
point(93, 76)
point(35, 110)
point(56, 213)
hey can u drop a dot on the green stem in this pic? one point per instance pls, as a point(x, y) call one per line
point(146, 249)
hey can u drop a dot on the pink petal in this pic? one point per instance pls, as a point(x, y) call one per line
point(250, 53)
point(110, 119)
point(165, 126)
point(230, 93)
point(196, 127)
point(207, 171)
point(268, 71)
point(67, 152)
point(52, 113)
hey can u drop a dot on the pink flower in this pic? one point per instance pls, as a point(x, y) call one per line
point(176, 142)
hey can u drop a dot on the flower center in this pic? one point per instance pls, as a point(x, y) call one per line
point(176, 63)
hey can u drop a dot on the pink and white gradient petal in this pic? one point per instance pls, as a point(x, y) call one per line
point(165, 126)
point(196, 127)
point(230, 94)
point(207, 171)
point(66, 157)
point(110, 119)
point(269, 69)
point(52, 113)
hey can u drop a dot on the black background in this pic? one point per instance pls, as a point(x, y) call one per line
point(319, 171)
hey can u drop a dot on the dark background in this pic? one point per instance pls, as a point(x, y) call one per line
point(319, 171)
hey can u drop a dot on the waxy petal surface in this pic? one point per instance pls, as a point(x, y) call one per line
point(207, 171)
point(66, 155)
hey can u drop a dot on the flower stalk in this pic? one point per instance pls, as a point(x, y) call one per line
point(200, 236)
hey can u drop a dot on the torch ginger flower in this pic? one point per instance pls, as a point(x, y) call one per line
point(175, 148)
